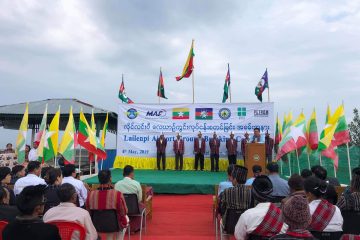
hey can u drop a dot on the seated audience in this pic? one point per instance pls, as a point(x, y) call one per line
point(296, 186)
point(305, 173)
point(5, 178)
point(128, 186)
point(9, 148)
point(350, 200)
point(331, 194)
point(53, 178)
point(106, 197)
point(44, 170)
point(280, 186)
point(31, 179)
point(237, 197)
point(257, 172)
point(7, 212)
point(228, 183)
point(28, 225)
point(325, 216)
point(296, 214)
point(69, 173)
point(27, 151)
point(18, 171)
point(264, 220)
point(68, 211)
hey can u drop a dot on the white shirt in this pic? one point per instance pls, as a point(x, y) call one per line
point(251, 219)
point(67, 211)
point(33, 156)
point(335, 224)
point(79, 187)
point(28, 180)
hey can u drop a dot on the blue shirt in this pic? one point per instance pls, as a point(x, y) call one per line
point(224, 185)
point(280, 186)
point(250, 181)
point(261, 140)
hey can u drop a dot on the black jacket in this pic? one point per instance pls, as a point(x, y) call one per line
point(8, 213)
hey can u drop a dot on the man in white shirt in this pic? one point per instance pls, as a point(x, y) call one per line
point(263, 220)
point(31, 179)
point(69, 173)
point(33, 156)
point(128, 185)
point(68, 211)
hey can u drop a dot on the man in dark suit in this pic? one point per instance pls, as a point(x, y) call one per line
point(179, 152)
point(269, 145)
point(161, 143)
point(231, 146)
point(199, 150)
point(244, 141)
point(214, 144)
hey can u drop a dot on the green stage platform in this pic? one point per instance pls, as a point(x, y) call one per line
point(175, 182)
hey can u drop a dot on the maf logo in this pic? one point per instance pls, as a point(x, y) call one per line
point(156, 114)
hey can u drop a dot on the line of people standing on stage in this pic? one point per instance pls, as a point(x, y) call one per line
point(214, 144)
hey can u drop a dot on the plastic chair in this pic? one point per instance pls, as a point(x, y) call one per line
point(351, 222)
point(232, 217)
point(2, 226)
point(106, 221)
point(132, 204)
point(326, 235)
point(67, 229)
point(350, 237)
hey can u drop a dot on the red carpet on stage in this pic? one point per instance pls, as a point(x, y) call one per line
point(180, 217)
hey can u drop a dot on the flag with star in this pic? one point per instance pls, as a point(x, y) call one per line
point(189, 65)
point(180, 113)
point(226, 86)
point(87, 137)
point(42, 128)
point(262, 85)
point(161, 87)
point(48, 147)
point(21, 138)
point(278, 134)
point(203, 113)
point(68, 141)
point(122, 94)
point(295, 137)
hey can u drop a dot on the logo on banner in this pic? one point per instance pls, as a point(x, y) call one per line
point(156, 114)
point(241, 112)
point(261, 113)
point(203, 113)
point(224, 113)
point(180, 113)
point(132, 113)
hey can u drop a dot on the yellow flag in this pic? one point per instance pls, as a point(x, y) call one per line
point(21, 138)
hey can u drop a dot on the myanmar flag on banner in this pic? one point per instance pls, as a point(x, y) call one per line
point(50, 141)
point(203, 113)
point(161, 87)
point(122, 94)
point(312, 132)
point(262, 85)
point(295, 137)
point(180, 113)
point(21, 138)
point(189, 65)
point(67, 145)
point(226, 86)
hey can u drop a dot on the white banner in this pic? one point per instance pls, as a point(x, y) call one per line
point(139, 125)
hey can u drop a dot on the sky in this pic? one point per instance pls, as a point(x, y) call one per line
point(80, 48)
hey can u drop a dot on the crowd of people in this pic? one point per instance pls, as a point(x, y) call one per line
point(33, 197)
point(214, 146)
point(303, 207)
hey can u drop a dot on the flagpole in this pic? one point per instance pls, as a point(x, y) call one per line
point(158, 87)
point(290, 163)
point(79, 158)
point(297, 158)
point(268, 94)
point(320, 158)
point(192, 75)
point(102, 162)
point(348, 156)
point(308, 158)
point(281, 167)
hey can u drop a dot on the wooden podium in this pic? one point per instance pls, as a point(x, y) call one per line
point(255, 155)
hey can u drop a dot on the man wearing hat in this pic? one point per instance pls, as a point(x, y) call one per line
point(296, 214)
point(237, 197)
point(244, 141)
point(214, 144)
point(199, 150)
point(231, 146)
point(264, 220)
point(33, 156)
point(179, 152)
point(161, 143)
